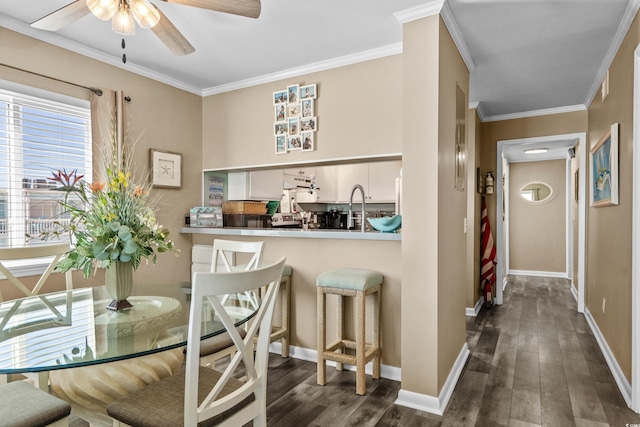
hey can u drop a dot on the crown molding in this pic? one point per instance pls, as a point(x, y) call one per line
point(389, 50)
point(534, 113)
point(62, 42)
point(456, 35)
point(418, 12)
point(625, 24)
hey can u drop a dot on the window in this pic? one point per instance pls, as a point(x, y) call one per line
point(39, 135)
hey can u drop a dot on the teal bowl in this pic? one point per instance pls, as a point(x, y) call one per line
point(387, 224)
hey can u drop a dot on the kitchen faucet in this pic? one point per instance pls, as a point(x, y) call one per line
point(350, 218)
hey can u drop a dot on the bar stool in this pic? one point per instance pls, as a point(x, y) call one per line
point(283, 332)
point(353, 283)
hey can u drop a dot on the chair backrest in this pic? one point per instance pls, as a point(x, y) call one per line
point(225, 254)
point(212, 286)
point(23, 253)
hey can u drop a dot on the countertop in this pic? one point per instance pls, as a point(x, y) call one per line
point(294, 232)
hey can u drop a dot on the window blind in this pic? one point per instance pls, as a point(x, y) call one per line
point(38, 137)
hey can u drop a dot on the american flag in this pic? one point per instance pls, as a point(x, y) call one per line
point(487, 271)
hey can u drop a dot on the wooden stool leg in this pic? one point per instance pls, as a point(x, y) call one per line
point(339, 327)
point(322, 339)
point(286, 321)
point(361, 384)
point(376, 333)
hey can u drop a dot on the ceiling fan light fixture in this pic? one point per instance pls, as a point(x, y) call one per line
point(123, 22)
point(146, 15)
point(103, 9)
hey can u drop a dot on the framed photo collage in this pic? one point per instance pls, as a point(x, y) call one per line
point(295, 122)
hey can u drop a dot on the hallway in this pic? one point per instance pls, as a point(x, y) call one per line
point(534, 361)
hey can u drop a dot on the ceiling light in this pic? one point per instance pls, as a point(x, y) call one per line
point(145, 13)
point(122, 22)
point(103, 9)
point(536, 151)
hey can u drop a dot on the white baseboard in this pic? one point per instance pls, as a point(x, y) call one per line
point(310, 355)
point(560, 274)
point(476, 308)
point(618, 375)
point(431, 404)
point(574, 291)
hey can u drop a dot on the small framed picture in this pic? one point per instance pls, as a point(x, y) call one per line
point(166, 168)
point(280, 128)
point(293, 92)
point(280, 97)
point(281, 144)
point(294, 143)
point(604, 169)
point(307, 108)
point(294, 126)
point(308, 124)
point(308, 92)
point(307, 141)
point(293, 110)
point(281, 113)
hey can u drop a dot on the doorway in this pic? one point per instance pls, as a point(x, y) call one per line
point(505, 151)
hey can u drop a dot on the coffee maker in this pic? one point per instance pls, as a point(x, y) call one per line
point(334, 220)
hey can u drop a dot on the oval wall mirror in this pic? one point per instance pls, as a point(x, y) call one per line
point(538, 192)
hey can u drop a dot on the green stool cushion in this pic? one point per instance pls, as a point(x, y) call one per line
point(25, 405)
point(286, 271)
point(349, 278)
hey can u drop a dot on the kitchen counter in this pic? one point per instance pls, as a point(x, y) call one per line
point(294, 232)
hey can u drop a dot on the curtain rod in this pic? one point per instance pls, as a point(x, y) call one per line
point(92, 89)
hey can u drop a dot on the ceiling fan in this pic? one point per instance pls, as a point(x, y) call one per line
point(146, 14)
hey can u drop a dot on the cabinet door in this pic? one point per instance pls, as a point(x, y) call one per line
point(350, 175)
point(265, 185)
point(326, 180)
point(382, 181)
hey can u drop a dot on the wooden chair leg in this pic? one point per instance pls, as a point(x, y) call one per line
point(361, 385)
point(322, 340)
point(286, 321)
point(339, 327)
point(376, 332)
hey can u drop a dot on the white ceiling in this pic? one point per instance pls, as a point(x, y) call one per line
point(526, 57)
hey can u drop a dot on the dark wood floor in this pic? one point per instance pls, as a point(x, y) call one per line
point(534, 361)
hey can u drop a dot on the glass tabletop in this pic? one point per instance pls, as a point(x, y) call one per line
point(73, 328)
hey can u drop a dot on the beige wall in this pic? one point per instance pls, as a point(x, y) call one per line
point(537, 232)
point(433, 244)
point(170, 119)
point(359, 111)
point(609, 228)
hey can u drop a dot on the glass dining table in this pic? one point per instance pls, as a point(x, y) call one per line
point(93, 355)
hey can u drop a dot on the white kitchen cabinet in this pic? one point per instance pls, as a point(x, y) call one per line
point(255, 185)
point(382, 181)
point(326, 181)
point(298, 177)
point(377, 178)
point(350, 175)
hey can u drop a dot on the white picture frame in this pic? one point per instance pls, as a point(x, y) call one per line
point(166, 168)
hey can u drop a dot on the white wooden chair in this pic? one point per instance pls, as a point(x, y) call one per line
point(24, 405)
point(225, 257)
point(198, 393)
point(29, 253)
point(53, 253)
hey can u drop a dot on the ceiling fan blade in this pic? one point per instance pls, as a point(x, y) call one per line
point(248, 8)
point(63, 16)
point(171, 36)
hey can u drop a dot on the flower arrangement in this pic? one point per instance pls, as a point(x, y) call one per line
point(115, 221)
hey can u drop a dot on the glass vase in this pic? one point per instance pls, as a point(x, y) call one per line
point(119, 284)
